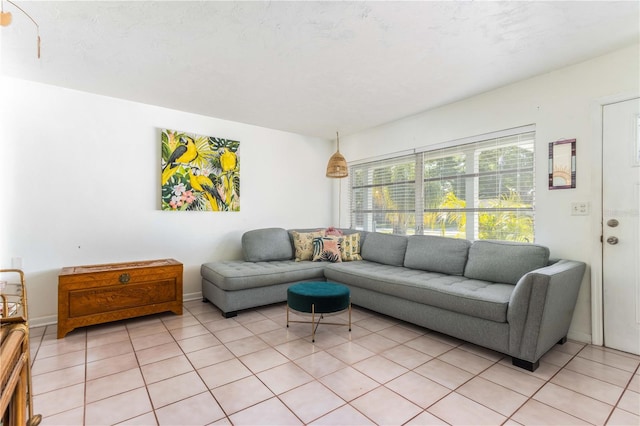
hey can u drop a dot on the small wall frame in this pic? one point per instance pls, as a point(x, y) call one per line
point(562, 164)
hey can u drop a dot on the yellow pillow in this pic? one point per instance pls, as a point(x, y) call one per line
point(350, 247)
point(303, 244)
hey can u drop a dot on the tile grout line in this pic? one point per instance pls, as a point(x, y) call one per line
point(462, 384)
point(146, 386)
point(558, 372)
point(626, 388)
point(226, 415)
point(396, 344)
point(86, 376)
point(278, 396)
point(317, 379)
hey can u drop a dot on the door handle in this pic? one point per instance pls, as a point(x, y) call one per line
point(612, 240)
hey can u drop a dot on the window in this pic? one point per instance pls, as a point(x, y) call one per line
point(478, 188)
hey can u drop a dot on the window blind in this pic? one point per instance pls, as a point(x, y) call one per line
point(477, 190)
point(383, 195)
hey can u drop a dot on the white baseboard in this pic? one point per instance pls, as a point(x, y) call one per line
point(42, 321)
point(53, 319)
point(579, 337)
point(191, 296)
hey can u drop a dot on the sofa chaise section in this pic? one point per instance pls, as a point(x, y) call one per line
point(236, 285)
point(262, 278)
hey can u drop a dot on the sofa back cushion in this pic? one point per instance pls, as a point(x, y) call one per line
point(504, 261)
point(436, 254)
point(262, 245)
point(384, 248)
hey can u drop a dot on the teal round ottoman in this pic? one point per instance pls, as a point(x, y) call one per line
point(318, 297)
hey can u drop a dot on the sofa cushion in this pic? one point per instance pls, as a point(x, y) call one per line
point(388, 249)
point(327, 249)
point(504, 261)
point(266, 244)
point(476, 298)
point(233, 275)
point(350, 247)
point(303, 243)
point(437, 254)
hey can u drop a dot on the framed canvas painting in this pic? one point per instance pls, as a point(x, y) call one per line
point(199, 173)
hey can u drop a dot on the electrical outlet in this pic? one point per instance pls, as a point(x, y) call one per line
point(579, 208)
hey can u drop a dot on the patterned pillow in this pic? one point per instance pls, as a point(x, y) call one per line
point(350, 247)
point(327, 249)
point(303, 244)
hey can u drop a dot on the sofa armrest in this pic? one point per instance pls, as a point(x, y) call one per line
point(541, 308)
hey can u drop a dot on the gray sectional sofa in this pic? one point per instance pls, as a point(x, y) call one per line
point(504, 296)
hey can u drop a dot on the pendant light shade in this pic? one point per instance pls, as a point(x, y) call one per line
point(337, 166)
point(5, 19)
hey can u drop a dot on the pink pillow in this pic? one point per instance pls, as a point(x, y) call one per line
point(327, 249)
point(331, 231)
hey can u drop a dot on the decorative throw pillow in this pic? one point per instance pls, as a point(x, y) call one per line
point(331, 231)
point(350, 247)
point(327, 249)
point(303, 244)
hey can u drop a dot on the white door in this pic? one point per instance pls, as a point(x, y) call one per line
point(621, 225)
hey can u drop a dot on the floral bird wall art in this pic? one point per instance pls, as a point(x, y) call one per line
point(200, 173)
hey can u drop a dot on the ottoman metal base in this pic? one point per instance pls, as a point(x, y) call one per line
point(318, 298)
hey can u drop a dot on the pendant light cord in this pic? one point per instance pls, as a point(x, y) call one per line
point(339, 189)
point(28, 16)
point(340, 204)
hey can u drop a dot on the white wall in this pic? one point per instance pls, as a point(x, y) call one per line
point(562, 104)
point(80, 185)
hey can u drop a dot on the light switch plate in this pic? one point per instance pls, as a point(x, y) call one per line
point(579, 208)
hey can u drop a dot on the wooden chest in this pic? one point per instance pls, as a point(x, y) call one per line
point(96, 294)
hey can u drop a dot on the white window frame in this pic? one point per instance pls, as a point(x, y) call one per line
point(472, 145)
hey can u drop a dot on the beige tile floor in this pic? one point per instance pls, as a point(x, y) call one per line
point(199, 369)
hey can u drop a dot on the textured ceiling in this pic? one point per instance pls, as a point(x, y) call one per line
point(306, 67)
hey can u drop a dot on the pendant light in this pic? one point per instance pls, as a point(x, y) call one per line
point(337, 166)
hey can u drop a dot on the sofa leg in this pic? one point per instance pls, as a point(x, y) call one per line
point(527, 365)
point(204, 300)
point(562, 341)
point(230, 314)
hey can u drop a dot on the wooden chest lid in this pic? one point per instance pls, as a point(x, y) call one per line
point(90, 269)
